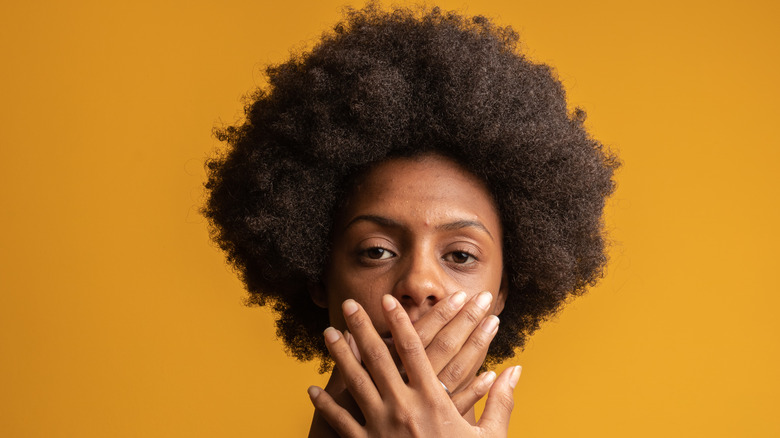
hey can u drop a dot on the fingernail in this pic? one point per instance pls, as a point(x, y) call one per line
point(331, 335)
point(388, 302)
point(490, 324)
point(313, 392)
point(349, 307)
point(515, 376)
point(457, 299)
point(484, 299)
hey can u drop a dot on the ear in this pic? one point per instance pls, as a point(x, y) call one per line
point(503, 290)
point(318, 294)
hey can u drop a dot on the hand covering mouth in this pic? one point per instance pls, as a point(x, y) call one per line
point(388, 340)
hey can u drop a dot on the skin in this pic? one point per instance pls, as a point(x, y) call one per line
point(423, 233)
point(420, 229)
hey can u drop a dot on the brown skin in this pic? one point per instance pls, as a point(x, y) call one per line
point(420, 229)
point(396, 407)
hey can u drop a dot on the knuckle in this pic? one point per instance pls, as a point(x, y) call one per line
point(376, 354)
point(473, 315)
point(401, 415)
point(356, 382)
point(406, 417)
point(506, 401)
point(358, 322)
point(444, 344)
point(409, 347)
point(453, 372)
point(441, 315)
point(480, 342)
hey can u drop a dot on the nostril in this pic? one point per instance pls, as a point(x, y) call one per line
point(408, 300)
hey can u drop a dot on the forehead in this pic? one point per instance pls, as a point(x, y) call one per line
point(426, 190)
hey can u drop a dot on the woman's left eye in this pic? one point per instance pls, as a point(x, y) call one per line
point(460, 257)
point(378, 253)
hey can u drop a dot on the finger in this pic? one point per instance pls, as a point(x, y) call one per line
point(338, 418)
point(465, 399)
point(446, 344)
point(408, 345)
point(372, 349)
point(438, 317)
point(337, 388)
point(467, 361)
point(352, 345)
point(500, 402)
point(355, 377)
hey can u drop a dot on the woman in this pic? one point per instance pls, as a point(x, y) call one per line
point(405, 182)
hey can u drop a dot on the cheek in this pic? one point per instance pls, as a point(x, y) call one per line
point(488, 280)
point(336, 295)
point(367, 292)
point(336, 318)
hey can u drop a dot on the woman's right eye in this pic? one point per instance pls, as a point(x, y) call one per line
point(377, 253)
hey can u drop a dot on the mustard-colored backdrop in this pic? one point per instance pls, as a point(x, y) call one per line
point(119, 318)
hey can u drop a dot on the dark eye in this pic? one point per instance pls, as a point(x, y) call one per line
point(460, 257)
point(377, 253)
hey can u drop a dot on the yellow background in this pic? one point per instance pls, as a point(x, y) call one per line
point(119, 318)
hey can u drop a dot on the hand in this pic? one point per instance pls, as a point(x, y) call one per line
point(391, 406)
point(456, 339)
point(456, 351)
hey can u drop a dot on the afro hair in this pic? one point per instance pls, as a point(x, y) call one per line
point(403, 83)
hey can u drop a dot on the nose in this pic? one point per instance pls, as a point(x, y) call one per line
point(420, 284)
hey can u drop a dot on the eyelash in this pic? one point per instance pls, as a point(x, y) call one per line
point(468, 255)
point(365, 255)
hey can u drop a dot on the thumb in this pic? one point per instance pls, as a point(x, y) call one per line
point(500, 402)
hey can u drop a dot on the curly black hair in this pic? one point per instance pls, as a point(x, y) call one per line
point(404, 83)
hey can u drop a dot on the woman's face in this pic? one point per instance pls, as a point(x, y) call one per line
point(420, 229)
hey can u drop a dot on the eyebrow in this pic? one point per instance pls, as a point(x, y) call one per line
point(457, 225)
point(450, 226)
